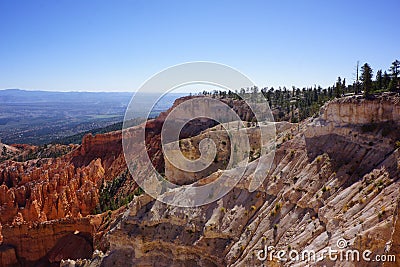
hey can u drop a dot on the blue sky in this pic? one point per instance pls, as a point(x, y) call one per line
point(96, 45)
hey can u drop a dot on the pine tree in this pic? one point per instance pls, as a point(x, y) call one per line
point(379, 80)
point(366, 78)
point(344, 84)
point(338, 87)
point(395, 69)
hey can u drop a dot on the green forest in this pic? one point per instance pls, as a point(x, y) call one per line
point(297, 104)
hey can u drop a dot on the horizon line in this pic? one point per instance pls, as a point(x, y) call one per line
point(80, 91)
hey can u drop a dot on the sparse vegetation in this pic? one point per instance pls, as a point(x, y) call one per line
point(277, 207)
point(216, 158)
point(109, 196)
point(43, 151)
point(379, 183)
point(381, 214)
point(138, 191)
point(397, 144)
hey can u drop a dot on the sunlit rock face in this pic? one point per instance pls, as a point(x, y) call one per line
point(358, 110)
point(49, 191)
point(333, 177)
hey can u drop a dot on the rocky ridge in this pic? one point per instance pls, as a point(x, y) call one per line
point(332, 178)
point(44, 193)
point(45, 200)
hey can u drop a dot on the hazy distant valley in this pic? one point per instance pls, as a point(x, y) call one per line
point(41, 117)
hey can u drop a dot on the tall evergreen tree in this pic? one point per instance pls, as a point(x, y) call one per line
point(379, 80)
point(338, 87)
point(394, 69)
point(366, 78)
point(357, 83)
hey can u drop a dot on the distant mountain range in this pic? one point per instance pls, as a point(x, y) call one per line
point(26, 96)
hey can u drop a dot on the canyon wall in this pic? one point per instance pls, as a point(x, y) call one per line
point(335, 176)
point(358, 110)
point(66, 238)
point(47, 191)
point(46, 201)
point(330, 180)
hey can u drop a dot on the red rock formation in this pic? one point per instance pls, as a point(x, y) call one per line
point(8, 256)
point(107, 147)
point(56, 189)
point(41, 242)
point(46, 191)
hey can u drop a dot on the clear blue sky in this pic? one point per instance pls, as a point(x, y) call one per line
point(96, 45)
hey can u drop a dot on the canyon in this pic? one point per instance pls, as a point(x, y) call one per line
point(49, 194)
point(333, 179)
point(334, 176)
